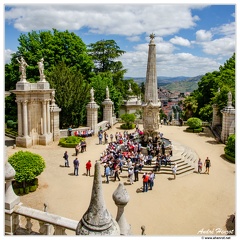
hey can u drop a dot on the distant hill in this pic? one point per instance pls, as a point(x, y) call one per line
point(180, 83)
point(187, 85)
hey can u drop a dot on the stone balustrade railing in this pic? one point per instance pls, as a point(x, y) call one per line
point(47, 222)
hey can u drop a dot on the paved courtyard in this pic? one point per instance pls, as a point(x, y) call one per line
point(189, 205)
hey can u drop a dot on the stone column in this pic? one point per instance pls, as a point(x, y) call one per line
point(19, 109)
point(121, 198)
point(11, 200)
point(216, 119)
point(228, 122)
point(97, 220)
point(25, 119)
point(44, 116)
point(92, 113)
point(48, 117)
point(108, 108)
point(151, 103)
point(107, 111)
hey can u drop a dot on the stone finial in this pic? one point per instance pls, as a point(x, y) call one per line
point(97, 220)
point(11, 199)
point(152, 36)
point(121, 198)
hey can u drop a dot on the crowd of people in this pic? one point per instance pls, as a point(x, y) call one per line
point(125, 149)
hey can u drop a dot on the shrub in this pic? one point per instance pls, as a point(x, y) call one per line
point(125, 126)
point(70, 141)
point(128, 120)
point(26, 190)
point(21, 190)
point(230, 147)
point(27, 166)
point(194, 123)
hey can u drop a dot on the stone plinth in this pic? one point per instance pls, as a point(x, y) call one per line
point(228, 121)
point(92, 115)
point(216, 120)
point(108, 111)
point(23, 86)
point(37, 124)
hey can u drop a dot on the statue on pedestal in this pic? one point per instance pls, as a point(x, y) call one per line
point(92, 94)
point(41, 69)
point(22, 68)
point(107, 93)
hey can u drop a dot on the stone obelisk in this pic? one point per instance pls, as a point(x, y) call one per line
point(151, 103)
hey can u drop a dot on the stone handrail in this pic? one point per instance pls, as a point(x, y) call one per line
point(59, 223)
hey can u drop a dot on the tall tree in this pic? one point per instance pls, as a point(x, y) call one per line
point(72, 94)
point(55, 47)
point(104, 54)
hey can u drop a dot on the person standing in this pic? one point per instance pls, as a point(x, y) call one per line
point(116, 173)
point(174, 170)
point(207, 164)
point(130, 175)
point(65, 156)
point(76, 166)
point(145, 178)
point(111, 137)
point(107, 172)
point(199, 165)
point(100, 136)
point(151, 180)
point(135, 170)
point(88, 168)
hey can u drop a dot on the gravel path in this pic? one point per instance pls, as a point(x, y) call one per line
point(186, 206)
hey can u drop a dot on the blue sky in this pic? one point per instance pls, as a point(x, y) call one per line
point(191, 39)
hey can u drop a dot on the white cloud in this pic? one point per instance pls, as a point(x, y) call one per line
point(180, 41)
point(225, 29)
point(203, 35)
point(123, 19)
point(133, 39)
point(7, 53)
point(223, 47)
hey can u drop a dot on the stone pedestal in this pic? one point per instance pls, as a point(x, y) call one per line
point(228, 121)
point(108, 111)
point(216, 119)
point(34, 114)
point(92, 116)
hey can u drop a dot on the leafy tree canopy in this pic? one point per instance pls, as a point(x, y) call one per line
point(212, 89)
point(55, 47)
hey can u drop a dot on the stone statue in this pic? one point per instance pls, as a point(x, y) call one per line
point(92, 94)
point(41, 67)
point(130, 88)
point(22, 68)
point(107, 93)
point(229, 97)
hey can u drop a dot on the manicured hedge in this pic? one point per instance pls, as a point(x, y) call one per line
point(194, 130)
point(70, 142)
point(129, 126)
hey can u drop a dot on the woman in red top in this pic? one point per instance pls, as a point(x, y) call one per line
point(88, 167)
point(145, 182)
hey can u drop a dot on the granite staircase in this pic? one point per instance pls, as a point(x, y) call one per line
point(185, 157)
